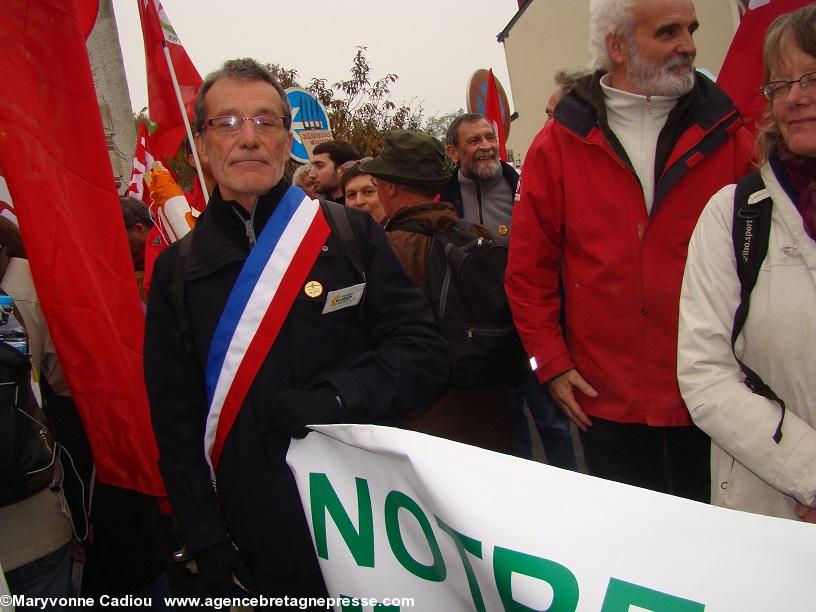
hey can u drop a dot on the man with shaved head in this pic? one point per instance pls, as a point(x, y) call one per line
point(612, 189)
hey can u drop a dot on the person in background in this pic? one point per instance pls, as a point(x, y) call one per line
point(326, 171)
point(360, 191)
point(612, 189)
point(482, 189)
point(138, 224)
point(302, 179)
point(410, 170)
point(36, 531)
point(751, 470)
point(565, 79)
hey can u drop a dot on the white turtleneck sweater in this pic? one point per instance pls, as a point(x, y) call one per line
point(637, 121)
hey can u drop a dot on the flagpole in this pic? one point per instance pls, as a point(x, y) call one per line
point(176, 88)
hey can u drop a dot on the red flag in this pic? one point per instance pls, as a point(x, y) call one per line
point(493, 113)
point(54, 158)
point(142, 162)
point(87, 11)
point(164, 108)
point(742, 72)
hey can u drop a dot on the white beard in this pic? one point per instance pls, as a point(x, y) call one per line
point(660, 80)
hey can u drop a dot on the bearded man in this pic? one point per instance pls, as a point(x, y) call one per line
point(612, 189)
point(482, 190)
point(483, 187)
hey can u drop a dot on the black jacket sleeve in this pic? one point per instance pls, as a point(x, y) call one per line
point(407, 366)
point(178, 406)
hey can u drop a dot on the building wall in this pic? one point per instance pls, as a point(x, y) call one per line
point(553, 34)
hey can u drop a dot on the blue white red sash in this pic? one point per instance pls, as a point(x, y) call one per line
point(256, 309)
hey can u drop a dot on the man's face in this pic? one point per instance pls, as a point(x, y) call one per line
point(553, 100)
point(248, 163)
point(658, 58)
point(476, 150)
point(324, 175)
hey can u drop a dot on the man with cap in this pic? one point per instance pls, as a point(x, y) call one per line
point(410, 171)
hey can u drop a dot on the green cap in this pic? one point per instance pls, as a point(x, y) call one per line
point(410, 158)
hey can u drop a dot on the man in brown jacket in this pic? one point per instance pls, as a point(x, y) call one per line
point(410, 171)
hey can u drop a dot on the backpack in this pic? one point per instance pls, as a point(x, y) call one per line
point(464, 282)
point(27, 448)
point(751, 229)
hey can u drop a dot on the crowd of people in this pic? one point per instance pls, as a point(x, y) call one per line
point(660, 263)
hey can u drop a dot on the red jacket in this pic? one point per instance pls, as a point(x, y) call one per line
point(582, 211)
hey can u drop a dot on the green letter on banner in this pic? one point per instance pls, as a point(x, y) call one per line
point(435, 572)
point(324, 498)
point(620, 595)
point(474, 547)
point(507, 562)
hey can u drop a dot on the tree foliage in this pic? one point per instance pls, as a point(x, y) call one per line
point(360, 108)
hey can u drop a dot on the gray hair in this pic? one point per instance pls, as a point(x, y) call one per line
point(566, 78)
point(299, 173)
point(608, 17)
point(452, 135)
point(791, 30)
point(243, 69)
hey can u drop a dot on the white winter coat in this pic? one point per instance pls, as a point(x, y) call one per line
point(749, 471)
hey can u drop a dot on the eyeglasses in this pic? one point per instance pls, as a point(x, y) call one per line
point(774, 89)
point(231, 124)
point(354, 162)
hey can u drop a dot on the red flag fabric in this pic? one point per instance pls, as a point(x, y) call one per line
point(54, 158)
point(87, 11)
point(493, 113)
point(742, 72)
point(163, 104)
point(142, 162)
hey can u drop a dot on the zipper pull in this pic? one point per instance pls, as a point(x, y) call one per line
point(250, 232)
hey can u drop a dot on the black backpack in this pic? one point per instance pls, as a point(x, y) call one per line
point(464, 282)
point(751, 229)
point(27, 448)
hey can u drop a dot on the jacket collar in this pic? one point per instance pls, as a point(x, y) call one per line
point(220, 236)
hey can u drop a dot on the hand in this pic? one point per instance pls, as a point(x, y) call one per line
point(217, 564)
point(562, 391)
point(290, 411)
point(806, 513)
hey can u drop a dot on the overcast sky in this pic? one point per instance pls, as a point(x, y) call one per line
point(432, 45)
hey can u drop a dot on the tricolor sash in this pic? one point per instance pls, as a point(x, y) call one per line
point(256, 309)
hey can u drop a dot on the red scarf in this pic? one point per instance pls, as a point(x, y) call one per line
point(801, 172)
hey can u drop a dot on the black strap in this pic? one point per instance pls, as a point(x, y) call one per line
point(178, 294)
point(337, 216)
point(751, 231)
point(415, 227)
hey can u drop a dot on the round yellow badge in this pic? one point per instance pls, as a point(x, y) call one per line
point(503, 230)
point(313, 289)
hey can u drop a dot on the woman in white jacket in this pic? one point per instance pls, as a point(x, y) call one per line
point(750, 469)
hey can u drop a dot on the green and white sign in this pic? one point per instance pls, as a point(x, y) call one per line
point(397, 514)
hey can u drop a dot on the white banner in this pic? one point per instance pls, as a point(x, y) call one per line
point(396, 514)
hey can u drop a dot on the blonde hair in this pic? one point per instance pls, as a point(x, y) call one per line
point(796, 29)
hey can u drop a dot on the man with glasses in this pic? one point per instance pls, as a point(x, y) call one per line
point(612, 189)
point(328, 159)
point(246, 344)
